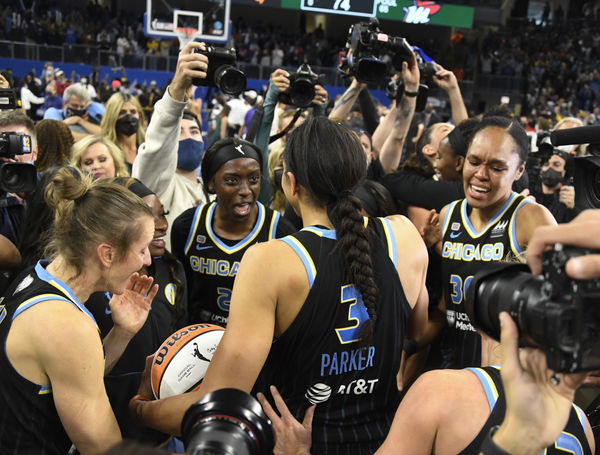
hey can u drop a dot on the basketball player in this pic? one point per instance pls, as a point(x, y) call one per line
point(168, 314)
point(492, 223)
point(449, 412)
point(51, 356)
point(336, 297)
point(211, 239)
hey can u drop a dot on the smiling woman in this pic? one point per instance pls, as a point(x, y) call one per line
point(492, 223)
point(211, 239)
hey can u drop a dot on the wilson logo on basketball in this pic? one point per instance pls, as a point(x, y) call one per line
point(181, 361)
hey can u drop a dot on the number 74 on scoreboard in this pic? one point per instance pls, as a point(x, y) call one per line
point(364, 8)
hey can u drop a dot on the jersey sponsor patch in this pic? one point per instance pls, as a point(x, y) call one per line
point(24, 284)
point(318, 393)
point(499, 229)
point(455, 226)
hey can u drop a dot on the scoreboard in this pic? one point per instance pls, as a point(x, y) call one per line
point(364, 8)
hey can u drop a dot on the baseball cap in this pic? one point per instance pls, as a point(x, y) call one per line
point(115, 83)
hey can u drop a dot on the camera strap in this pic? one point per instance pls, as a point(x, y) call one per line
point(287, 128)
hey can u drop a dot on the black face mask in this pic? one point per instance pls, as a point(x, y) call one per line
point(551, 177)
point(277, 177)
point(74, 112)
point(127, 125)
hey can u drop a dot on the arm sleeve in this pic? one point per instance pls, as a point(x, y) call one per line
point(156, 161)
point(369, 113)
point(414, 189)
point(262, 141)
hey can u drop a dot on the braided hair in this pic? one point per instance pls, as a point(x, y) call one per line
point(328, 161)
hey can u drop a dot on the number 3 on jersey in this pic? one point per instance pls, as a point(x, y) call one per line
point(357, 314)
point(458, 289)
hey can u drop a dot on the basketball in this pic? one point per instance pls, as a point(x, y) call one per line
point(181, 361)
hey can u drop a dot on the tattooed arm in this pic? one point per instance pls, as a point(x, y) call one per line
point(402, 115)
point(344, 104)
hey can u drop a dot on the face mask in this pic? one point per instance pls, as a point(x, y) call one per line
point(277, 177)
point(74, 112)
point(189, 154)
point(127, 125)
point(567, 148)
point(551, 177)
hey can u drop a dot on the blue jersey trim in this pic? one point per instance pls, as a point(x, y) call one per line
point(447, 217)
point(304, 256)
point(43, 274)
point(512, 232)
point(260, 220)
point(328, 233)
point(274, 223)
point(491, 392)
point(391, 240)
point(193, 228)
point(499, 214)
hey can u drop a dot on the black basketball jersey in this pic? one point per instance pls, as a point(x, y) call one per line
point(29, 421)
point(164, 318)
point(320, 359)
point(211, 263)
point(464, 252)
point(572, 440)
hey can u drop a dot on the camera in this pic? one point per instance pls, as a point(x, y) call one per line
point(553, 312)
point(427, 69)
point(302, 87)
point(227, 421)
point(16, 177)
point(366, 48)
point(220, 72)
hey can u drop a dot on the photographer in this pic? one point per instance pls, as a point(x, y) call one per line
point(80, 113)
point(280, 83)
point(556, 191)
point(13, 208)
point(168, 161)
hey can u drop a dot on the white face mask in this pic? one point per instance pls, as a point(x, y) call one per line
point(567, 148)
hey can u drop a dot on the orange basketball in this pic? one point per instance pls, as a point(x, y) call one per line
point(181, 361)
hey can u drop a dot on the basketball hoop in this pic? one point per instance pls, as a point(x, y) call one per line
point(185, 35)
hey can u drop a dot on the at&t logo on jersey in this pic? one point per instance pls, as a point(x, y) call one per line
point(318, 393)
point(358, 387)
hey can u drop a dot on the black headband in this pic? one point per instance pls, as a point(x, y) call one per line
point(231, 152)
point(140, 189)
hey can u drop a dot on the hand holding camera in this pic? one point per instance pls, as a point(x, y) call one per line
point(281, 79)
point(190, 65)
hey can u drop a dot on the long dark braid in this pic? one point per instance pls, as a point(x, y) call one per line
point(327, 159)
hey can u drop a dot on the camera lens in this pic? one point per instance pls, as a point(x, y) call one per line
point(302, 93)
point(370, 70)
point(230, 80)
point(227, 422)
point(17, 177)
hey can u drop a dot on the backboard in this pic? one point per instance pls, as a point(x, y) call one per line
point(209, 17)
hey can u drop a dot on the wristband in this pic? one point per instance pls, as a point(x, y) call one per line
point(489, 447)
point(410, 94)
point(410, 347)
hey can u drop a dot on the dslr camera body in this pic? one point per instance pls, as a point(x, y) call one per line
point(553, 312)
point(14, 177)
point(302, 87)
point(221, 72)
point(367, 46)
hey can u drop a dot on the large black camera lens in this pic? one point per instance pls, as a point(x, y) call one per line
point(371, 70)
point(230, 80)
point(227, 422)
point(302, 92)
point(17, 177)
